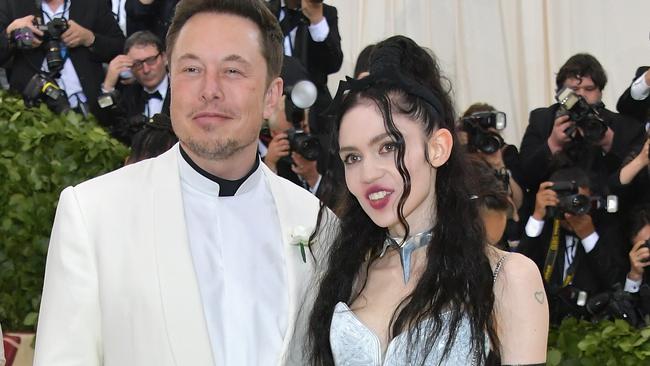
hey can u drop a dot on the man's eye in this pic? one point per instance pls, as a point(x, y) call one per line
point(191, 69)
point(351, 159)
point(233, 72)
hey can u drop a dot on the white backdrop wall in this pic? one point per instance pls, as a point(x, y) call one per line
point(505, 52)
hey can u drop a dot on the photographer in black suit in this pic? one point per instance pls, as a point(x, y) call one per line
point(583, 258)
point(287, 120)
point(634, 102)
point(136, 86)
point(80, 36)
point(312, 36)
point(639, 255)
point(598, 147)
point(152, 15)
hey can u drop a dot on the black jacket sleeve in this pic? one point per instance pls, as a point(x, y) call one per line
point(535, 154)
point(638, 109)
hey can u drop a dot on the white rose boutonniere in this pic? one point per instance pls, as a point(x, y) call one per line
point(300, 237)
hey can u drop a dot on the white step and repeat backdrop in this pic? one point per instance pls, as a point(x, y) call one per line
point(505, 52)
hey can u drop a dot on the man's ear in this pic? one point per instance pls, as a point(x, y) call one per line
point(439, 147)
point(272, 97)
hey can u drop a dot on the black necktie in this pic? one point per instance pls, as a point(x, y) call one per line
point(292, 18)
point(154, 95)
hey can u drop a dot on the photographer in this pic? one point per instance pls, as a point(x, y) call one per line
point(630, 183)
point(151, 15)
point(599, 140)
point(479, 130)
point(62, 41)
point(639, 255)
point(291, 152)
point(311, 35)
point(582, 258)
point(136, 87)
point(634, 101)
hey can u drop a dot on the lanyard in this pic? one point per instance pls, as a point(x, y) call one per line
point(66, 6)
point(571, 271)
point(551, 256)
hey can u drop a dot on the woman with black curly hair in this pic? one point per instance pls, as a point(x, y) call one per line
point(410, 279)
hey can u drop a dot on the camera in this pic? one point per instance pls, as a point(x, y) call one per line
point(588, 122)
point(300, 96)
point(572, 202)
point(42, 87)
point(23, 38)
point(52, 32)
point(304, 144)
point(615, 304)
point(479, 137)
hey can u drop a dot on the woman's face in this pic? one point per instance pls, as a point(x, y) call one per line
point(368, 155)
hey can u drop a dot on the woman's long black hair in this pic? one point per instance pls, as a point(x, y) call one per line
point(457, 279)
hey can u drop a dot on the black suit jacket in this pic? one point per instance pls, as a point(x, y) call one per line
point(121, 119)
point(94, 15)
point(535, 154)
point(637, 109)
point(319, 58)
point(596, 271)
point(155, 17)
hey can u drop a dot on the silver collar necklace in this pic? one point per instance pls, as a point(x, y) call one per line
point(407, 248)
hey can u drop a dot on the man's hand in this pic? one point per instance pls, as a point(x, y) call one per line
point(25, 22)
point(77, 35)
point(544, 197)
point(582, 225)
point(558, 138)
point(313, 10)
point(146, 2)
point(115, 67)
point(305, 169)
point(278, 148)
point(639, 259)
point(608, 139)
point(495, 159)
point(644, 158)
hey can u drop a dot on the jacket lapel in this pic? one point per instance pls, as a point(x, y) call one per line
point(299, 272)
point(181, 300)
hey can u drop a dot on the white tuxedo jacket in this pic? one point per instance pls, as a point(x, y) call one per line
point(120, 287)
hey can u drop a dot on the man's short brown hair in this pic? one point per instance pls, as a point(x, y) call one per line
point(254, 10)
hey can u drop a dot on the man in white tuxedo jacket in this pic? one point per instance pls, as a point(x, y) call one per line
point(189, 258)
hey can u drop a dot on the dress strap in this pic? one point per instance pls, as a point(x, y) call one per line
point(497, 268)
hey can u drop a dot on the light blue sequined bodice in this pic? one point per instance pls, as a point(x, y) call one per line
point(354, 344)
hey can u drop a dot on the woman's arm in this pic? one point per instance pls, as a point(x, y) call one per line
point(521, 311)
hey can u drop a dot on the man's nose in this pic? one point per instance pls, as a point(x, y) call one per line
point(212, 88)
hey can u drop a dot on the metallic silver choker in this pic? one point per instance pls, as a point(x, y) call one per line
point(406, 249)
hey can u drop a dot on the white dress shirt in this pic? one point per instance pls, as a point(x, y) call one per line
point(238, 256)
point(534, 229)
point(117, 8)
point(154, 105)
point(639, 90)
point(69, 80)
point(318, 32)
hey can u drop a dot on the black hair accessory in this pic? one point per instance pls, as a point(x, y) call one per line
point(384, 71)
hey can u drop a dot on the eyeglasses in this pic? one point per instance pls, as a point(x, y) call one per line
point(150, 61)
